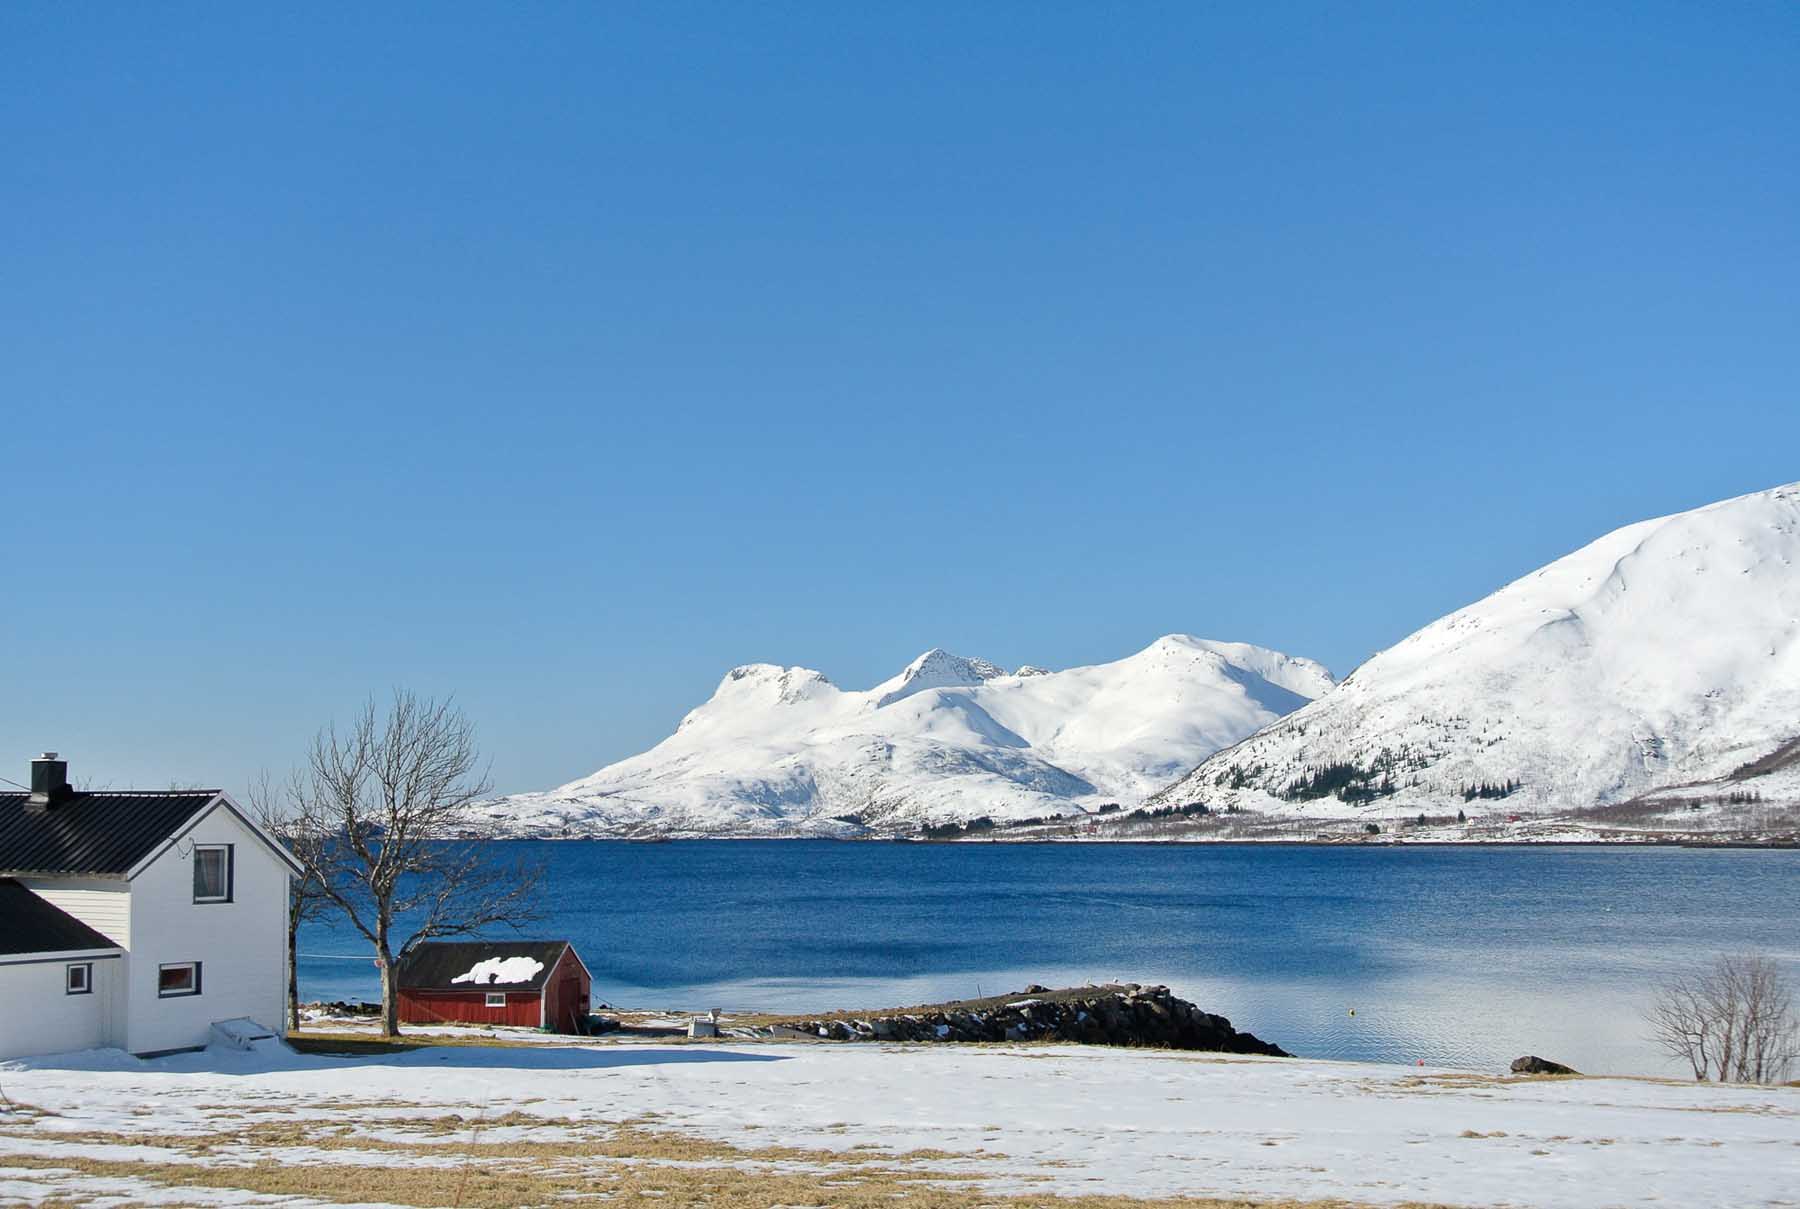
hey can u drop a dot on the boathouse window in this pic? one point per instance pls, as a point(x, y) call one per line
point(78, 979)
point(496, 998)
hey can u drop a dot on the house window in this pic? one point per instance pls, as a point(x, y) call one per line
point(78, 979)
point(212, 873)
point(180, 978)
point(496, 998)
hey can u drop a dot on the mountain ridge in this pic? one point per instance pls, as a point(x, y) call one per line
point(1653, 664)
point(784, 751)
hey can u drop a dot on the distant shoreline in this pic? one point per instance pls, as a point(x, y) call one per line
point(1597, 842)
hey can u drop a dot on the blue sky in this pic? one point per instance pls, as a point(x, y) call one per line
point(561, 357)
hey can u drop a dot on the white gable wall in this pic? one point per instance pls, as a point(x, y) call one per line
point(241, 945)
point(39, 1016)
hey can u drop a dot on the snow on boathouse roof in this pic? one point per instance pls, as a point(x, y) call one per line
point(496, 970)
point(478, 965)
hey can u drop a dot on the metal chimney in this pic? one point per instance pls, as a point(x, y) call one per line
point(49, 782)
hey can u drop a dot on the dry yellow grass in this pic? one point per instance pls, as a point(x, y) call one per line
point(447, 1161)
point(476, 1186)
point(1460, 1080)
point(626, 1140)
point(13, 1112)
point(346, 1043)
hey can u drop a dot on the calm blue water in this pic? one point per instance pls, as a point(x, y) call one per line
point(1458, 956)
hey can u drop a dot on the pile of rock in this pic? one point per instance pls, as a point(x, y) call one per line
point(1126, 1014)
point(339, 1008)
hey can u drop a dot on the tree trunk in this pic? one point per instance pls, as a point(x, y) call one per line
point(293, 995)
point(390, 999)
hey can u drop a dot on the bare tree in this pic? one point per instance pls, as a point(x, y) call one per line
point(280, 816)
point(1681, 1023)
point(387, 808)
point(1732, 1022)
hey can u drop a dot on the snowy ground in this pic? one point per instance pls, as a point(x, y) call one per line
point(864, 1124)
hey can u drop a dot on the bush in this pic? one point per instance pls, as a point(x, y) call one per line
point(1732, 1022)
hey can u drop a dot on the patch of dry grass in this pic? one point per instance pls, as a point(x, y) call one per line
point(1459, 1080)
point(15, 1112)
point(447, 1160)
point(362, 1045)
point(575, 1141)
point(478, 1186)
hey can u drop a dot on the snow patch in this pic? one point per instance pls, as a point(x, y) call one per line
point(501, 971)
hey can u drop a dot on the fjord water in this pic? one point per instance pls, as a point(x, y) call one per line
point(1457, 956)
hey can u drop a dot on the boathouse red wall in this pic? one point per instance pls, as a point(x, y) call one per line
point(561, 1006)
point(470, 1007)
point(566, 994)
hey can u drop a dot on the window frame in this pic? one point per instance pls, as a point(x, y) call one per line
point(87, 978)
point(493, 995)
point(194, 980)
point(230, 870)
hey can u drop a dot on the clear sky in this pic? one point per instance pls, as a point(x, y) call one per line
point(562, 357)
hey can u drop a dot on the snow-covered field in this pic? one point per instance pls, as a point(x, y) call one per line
point(673, 1123)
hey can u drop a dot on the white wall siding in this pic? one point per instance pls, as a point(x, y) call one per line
point(242, 944)
point(102, 904)
point(39, 1016)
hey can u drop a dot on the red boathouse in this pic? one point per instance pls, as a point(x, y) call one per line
point(522, 983)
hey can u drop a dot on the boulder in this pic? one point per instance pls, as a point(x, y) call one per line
point(1531, 1064)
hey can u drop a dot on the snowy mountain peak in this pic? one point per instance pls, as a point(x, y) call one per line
point(1303, 677)
point(1660, 661)
point(763, 685)
point(936, 668)
point(782, 751)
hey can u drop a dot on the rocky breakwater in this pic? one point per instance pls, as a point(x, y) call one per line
point(1126, 1014)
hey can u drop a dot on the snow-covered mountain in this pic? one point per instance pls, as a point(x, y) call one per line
point(783, 751)
point(1660, 662)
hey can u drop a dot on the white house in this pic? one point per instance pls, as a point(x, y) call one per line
point(135, 920)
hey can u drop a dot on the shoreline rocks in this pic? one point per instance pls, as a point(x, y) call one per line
point(1124, 1015)
point(338, 1007)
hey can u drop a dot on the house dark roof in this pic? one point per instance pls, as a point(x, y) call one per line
point(29, 924)
point(436, 964)
point(91, 833)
